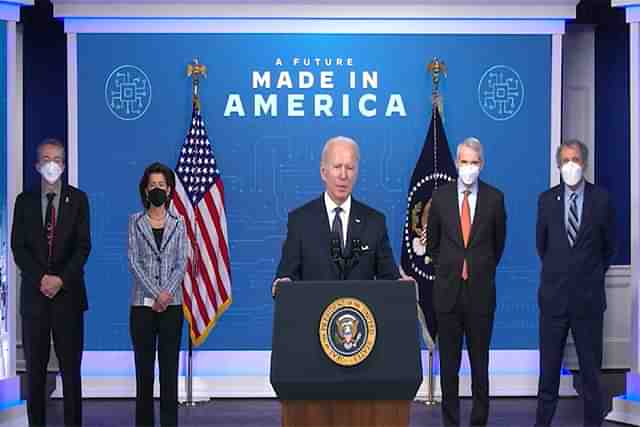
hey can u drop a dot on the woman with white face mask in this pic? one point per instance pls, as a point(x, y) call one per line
point(157, 261)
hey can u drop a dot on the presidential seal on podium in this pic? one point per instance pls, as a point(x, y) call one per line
point(347, 331)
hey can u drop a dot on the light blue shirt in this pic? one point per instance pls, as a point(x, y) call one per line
point(473, 197)
point(579, 202)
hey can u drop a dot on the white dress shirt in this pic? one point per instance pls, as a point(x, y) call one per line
point(344, 215)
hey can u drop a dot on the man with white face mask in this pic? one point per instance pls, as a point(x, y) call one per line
point(50, 240)
point(466, 235)
point(575, 240)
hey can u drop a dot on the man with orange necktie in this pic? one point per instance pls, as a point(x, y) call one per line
point(465, 236)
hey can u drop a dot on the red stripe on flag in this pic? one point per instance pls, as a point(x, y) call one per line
point(187, 301)
point(202, 309)
point(210, 291)
point(208, 198)
point(195, 289)
point(177, 201)
point(220, 186)
point(211, 254)
point(222, 244)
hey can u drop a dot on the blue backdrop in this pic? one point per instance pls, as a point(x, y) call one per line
point(134, 108)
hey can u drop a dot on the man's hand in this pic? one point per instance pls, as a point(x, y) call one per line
point(403, 276)
point(50, 285)
point(162, 302)
point(276, 283)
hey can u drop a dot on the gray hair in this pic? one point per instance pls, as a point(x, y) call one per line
point(472, 143)
point(344, 139)
point(573, 143)
point(51, 141)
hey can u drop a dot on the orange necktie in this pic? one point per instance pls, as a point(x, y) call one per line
point(465, 222)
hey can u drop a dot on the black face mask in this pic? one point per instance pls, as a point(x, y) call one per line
point(157, 197)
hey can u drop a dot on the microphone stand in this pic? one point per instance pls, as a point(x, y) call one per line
point(336, 256)
point(345, 263)
point(352, 258)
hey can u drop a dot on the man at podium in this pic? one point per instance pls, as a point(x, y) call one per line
point(334, 236)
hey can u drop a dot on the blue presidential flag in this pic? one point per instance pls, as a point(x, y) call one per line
point(435, 167)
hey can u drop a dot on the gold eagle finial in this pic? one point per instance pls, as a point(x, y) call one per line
point(196, 71)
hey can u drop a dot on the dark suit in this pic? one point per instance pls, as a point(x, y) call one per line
point(306, 253)
point(465, 308)
point(62, 315)
point(572, 294)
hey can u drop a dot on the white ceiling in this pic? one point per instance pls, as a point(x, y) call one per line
point(425, 9)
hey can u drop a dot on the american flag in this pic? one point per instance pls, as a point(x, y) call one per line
point(199, 199)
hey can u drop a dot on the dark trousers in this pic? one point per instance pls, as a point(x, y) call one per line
point(587, 335)
point(476, 328)
point(67, 326)
point(151, 330)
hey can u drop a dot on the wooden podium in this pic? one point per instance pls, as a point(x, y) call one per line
point(355, 413)
point(316, 390)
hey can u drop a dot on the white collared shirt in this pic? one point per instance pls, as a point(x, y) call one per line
point(344, 215)
point(473, 197)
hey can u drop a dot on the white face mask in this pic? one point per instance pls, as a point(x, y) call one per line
point(51, 172)
point(571, 173)
point(469, 173)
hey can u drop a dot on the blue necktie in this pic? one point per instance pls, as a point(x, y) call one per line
point(574, 224)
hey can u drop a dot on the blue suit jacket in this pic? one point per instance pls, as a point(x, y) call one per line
point(572, 278)
point(306, 251)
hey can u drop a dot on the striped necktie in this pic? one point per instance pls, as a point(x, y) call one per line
point(573, 224)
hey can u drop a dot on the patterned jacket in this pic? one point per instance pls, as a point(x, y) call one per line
point(156, 270)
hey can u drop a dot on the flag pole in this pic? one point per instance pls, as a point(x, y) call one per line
point(196, 71)
point(430, 400)
point(437, 69)
point(189, 401)
point(431, 345)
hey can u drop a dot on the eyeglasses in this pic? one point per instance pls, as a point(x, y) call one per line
point(57, 159)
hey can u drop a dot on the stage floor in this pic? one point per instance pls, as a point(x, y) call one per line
point(505, 412)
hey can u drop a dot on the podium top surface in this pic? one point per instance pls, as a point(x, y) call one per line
point(317, 287)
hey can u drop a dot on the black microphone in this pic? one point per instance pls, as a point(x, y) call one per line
point(351, 261)
point(356, 248)
point(336, 254)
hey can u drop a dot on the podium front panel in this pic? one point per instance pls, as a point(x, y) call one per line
point(300, 369)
